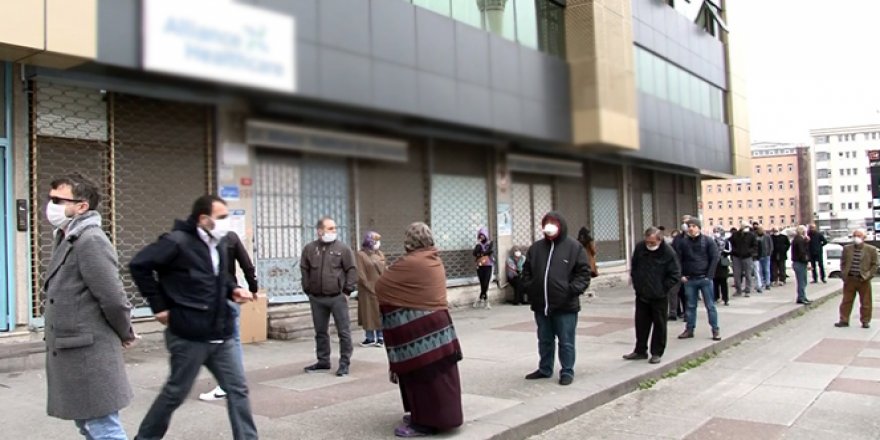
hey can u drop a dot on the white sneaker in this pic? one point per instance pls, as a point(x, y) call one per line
point(476, 304)
point(215, 394)
point(487, 305)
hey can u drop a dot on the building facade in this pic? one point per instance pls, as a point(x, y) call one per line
point(776, 196)
point(842, 192)
point(378, 113)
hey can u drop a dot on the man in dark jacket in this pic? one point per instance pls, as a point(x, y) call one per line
point(654, 271)
point(329, 276)
point(556, 273)
point(800, 256)
point(744, 246)
point(781, 244)
point(191, 298)
point(817, 257)
point(699, 257)
point(765, 251)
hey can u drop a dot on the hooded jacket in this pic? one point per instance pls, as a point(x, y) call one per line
point(188, 288)
point(654, 273)
point(484, 249)
point(556, 271)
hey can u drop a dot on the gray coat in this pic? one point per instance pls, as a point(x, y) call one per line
point(87, 317)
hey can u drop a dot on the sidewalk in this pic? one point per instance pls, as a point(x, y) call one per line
point(499, 347)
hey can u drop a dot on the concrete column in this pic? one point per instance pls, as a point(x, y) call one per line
point(492, 14)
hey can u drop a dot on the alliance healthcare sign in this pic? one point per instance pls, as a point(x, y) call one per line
point(219, 40)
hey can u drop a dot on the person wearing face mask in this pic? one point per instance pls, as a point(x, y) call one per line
point(654, 271)
point(858, 264)
point(817, 257)
point(699, 258)
point(514, 266)
point(743, 246)
point(677, 300)
point(781, 244)
point(329, 276)
point(370, 266)
point(556, 273)
point(87, 315)
point(184, 278)
point(722, 271)
point(484, 255)
point(800, 256)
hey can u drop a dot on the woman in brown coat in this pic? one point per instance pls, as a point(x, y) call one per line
point(370, 265)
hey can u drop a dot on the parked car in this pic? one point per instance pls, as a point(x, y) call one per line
point(832, 253)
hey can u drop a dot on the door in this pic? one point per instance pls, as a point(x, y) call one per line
point(532, 199)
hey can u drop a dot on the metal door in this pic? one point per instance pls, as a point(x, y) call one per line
point(292, 194)
point(531, 201)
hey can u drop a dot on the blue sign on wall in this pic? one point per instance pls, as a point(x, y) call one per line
point(230, 192)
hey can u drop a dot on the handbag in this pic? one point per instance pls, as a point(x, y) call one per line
point(725, 261)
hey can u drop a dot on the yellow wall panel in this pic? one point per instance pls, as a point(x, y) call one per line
point(23, 24)
point(72, 27)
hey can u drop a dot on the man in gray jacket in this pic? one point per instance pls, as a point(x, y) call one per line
point(88, 317)
point(329, 276)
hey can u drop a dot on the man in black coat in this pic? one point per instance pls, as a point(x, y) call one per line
point(556, 273)
point(744, 247)
point(817, 257)
point(654, 271)
point(781, 244)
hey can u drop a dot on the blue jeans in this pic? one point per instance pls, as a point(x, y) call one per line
point(108, 427)
point(800, 274)
point(765, 270)
point(187, 357)
point(692, 289)
point(559, 326)
point(374, 335)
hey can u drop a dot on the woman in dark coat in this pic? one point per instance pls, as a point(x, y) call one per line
point(484, 255)
point(412, 297)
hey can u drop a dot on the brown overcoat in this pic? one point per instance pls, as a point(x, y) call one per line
point(370, 266)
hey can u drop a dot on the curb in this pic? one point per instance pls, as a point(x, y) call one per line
point(570, 411)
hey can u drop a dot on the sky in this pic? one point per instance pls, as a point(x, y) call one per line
point(809, 64)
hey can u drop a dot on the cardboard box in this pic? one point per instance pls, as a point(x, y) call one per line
point(254, 320)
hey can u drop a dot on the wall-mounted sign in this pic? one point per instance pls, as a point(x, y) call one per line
point(230, 193)
point(310, 140)
point(219, 40)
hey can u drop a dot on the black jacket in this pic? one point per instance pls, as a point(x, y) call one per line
point(196, 298)
point(817, 242)
point(654, 273)
point(800, 250)
point(237, 253)
point(698, 256)
point(328, 269)
point(722, 271)
point(781, 244)
point(556, 290)
point(744, 245)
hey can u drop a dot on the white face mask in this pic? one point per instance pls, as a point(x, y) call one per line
point(653, 248)
point(328, 237)
point(221, 228)
point(727, 235)
point(858, 240)
point(376, 245)
point(747, 229)
point(56, 215)
point(517, 254)
point(551, 230)
point(684, 227)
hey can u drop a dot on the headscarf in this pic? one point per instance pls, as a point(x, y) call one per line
point(485, 233)
point(416, 280)
point(370, 239)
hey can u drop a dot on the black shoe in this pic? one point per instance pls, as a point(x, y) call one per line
point(687, 334)
point(314, 368)
point(841, 324)
point(866, 325)
point(537, 374)
point(566, 380)
point(671, 318)
point(342, 371)
point(635, 356)
point(654, 360)
point(824, 282)
point(716, 335)
point(814, 282)
point(726, 303)
point(805, 302)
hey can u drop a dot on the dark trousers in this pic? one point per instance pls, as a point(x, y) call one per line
point(561, 327)
point(777, 269)
point(817, 259)
point(676, 301)
point(651, 314)
point(187, 358)
point(484, 273)
point(722, 290)
point(322, 308)
point(519, 294)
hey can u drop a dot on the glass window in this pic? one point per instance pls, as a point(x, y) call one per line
point(551, 28)
point(674, 83)
point(468, 12)
point(458, 207)
point(758, 169)
point(647, 66)
point(684, 88)
point(2, 100)
point(705, 99)
point(791, 184)
point(661, 79)
point(438, 6)
point(718, 188)
point(526, 22)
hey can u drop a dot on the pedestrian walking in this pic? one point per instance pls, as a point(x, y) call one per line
point(87, 315)
point(800, 256)
point(585, 238)
point(743, 246)
point(329, 276)
point(370, 265)
point(858, 266)
point(515, 263)
point(654, 270)
point(556, 273)
point(237, 254)
point(183, 276)
point(484, 255)
point(817, 256)
point(765, 252)
point(699, 257)
point(722, 271)
point(412, 297)
point(781, 245)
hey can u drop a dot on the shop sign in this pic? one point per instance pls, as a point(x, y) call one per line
point(223, 41)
